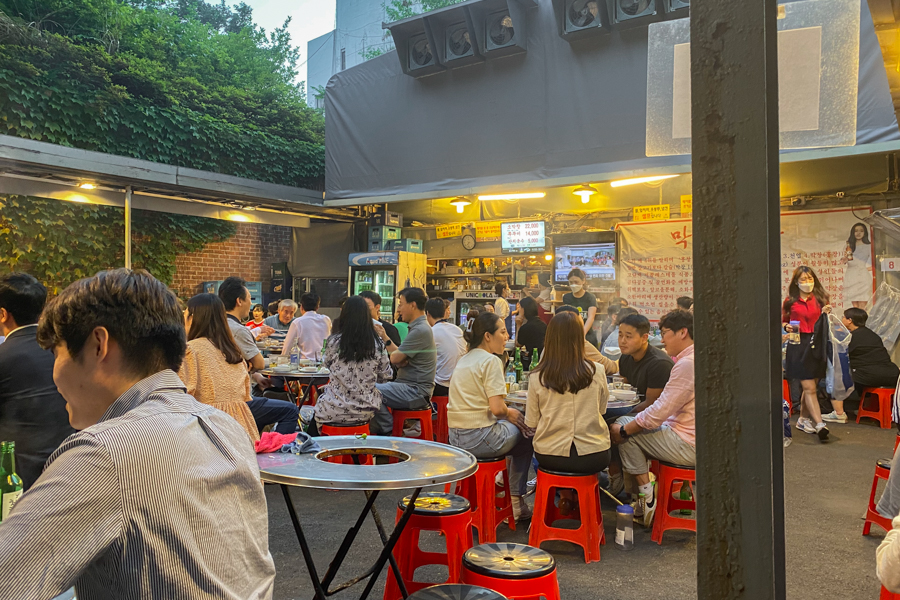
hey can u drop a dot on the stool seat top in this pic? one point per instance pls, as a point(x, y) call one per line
point(455, 591)
point(674, 466)
point(884, 463)
point(437, 504)
point(509, 561)
point(565, 474)
point(491, 460)
point(344, 425)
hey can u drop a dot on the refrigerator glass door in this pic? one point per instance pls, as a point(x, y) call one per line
point(362, 281)
point(384, 286)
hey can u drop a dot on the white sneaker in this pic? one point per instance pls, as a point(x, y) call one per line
point(822, 431)
point(638, 507)
point(833, 417)
point(650, 509)
point(805, 425)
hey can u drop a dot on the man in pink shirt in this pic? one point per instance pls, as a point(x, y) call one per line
point(664, 430)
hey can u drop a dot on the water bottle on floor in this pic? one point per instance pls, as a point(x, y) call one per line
point(624, 528)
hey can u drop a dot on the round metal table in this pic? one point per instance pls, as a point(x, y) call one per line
point(419, 463)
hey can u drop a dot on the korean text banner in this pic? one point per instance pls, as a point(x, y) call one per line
point(656, 259)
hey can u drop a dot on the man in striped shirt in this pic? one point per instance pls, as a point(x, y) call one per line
point(156, 496)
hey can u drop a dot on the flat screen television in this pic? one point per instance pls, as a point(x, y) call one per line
point(596, 257)
point(523, 237)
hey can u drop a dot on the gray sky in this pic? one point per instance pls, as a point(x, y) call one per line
point(310, 19)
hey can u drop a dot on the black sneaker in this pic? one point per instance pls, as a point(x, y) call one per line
point(822, 432)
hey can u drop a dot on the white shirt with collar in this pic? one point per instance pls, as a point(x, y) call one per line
point(309, 332)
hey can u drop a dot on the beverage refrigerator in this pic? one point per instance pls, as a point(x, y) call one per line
point(464, 300)
point(386, 273)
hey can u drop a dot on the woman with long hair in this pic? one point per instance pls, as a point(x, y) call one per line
point(257, 315)
point(567, 396)
point(356, 357)
point(531, 333)
point(858, 269)
point(806, 302)
point(214, 370)
point(479, 420)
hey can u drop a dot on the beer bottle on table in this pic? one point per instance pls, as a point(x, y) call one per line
point(517, 365)
point(10, 482)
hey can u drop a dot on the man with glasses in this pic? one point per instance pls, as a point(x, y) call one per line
point(665, 429)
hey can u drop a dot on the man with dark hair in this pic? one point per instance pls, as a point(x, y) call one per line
point(234, 294)
point(309, 331)
point(373, 301)
point(448, 342)
point(32, 413)
point(610, 347)
point(665, 429)
point(415, 361)
point(870, 362)
point(142, 500)
point(685, 303)
point(645, 367)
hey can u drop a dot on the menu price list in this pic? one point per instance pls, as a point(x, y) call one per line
point(524, 236)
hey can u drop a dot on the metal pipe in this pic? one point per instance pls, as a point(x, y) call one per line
point(128, 227)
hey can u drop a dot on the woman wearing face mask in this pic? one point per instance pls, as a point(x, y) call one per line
point(806, 301)
point(584, 301)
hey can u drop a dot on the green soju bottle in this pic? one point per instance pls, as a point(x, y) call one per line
point(517, 365)
point(534, 359)
point(10, 482)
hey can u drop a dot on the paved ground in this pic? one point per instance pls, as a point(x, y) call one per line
point(827, 557)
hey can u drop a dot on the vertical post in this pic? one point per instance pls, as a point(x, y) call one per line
point(734, 107)
point(128, 227)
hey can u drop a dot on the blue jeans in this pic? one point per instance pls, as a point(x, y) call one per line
point(501, 439)
point(267, 411)
point(401, 396)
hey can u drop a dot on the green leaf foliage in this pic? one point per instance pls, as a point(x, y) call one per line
point(180, 82)
point(60, 242)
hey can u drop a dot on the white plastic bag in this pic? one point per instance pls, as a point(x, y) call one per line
point(884, 314)
point(838, 379)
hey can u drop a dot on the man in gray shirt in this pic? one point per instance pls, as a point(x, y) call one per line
point(266, 411)
point(156, 495)
point(415, 359)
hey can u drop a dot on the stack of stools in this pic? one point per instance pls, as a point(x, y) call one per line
point(442, 432)
point(422, 416)
point(348, 459)
point(517, 571)
point(882, 471)
point(667, 476)
point(883, 397)
point(589, 534)
point(434, 511)
point(456, 591)
point(488, 510)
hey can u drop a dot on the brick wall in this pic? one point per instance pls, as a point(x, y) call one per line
point(248, 254)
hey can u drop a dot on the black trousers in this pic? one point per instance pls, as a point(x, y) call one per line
point(588, 464)
point(440, 390)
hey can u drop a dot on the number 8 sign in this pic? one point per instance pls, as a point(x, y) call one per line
point(890, 264)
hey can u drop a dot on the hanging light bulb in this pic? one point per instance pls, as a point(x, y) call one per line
point(585, 191)
point(460, 203)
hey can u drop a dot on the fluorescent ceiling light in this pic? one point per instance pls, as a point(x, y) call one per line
point(87, 186)
point(636, 180)
point(241, 218)
point(526, 196)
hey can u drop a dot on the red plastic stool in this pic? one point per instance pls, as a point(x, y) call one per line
point(422, 416)
point(347, 459)
point(488, 510)
point(517, 571)
point(442, 434)
point(884, 397)
point(434, 511)
point(885, 595)
point(882, 471)
point(589, 534)
point(668, 476)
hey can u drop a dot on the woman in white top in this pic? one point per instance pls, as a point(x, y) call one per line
point(858, 269)
point(479, 419)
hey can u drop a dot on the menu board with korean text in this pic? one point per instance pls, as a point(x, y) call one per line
point(523, 237)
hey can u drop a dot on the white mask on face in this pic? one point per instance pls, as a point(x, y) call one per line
point(575, 287)
point(806, 287)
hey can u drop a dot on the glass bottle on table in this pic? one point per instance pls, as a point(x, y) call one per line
point(517, 365)
point(10, 482)
point(534, 359)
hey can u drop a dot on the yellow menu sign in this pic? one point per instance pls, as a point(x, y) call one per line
point(487, 231)
point(447, 231)
point(687, 205)
point(654, 212)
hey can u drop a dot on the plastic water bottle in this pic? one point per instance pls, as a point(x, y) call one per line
point(624, 528)
point(295, 357)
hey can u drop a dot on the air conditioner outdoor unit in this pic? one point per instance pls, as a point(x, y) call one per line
point(626, 13)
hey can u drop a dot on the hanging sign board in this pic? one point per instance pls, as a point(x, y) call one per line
point(487, 231)
point(654, 212)
point(448, 231)
point(687, 205)
point(890, 264)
